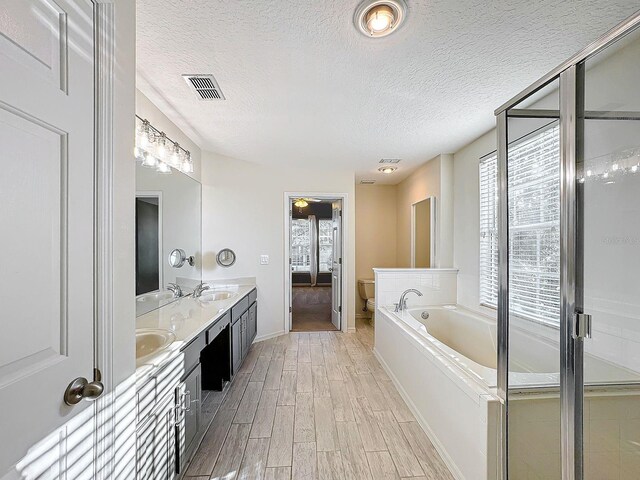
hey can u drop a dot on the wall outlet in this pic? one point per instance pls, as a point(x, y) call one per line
point(264, 259)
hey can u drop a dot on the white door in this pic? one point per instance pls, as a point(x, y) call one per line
point(46, 215)
point(336, 264)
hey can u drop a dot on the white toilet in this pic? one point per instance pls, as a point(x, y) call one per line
point(367, 291)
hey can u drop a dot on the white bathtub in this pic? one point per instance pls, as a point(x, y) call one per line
point(470, 341)
point(443, 360)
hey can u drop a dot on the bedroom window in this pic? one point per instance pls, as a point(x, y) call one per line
point(300, 245)
point(325, 242)
point(534, 222)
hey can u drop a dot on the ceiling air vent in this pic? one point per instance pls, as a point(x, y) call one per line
point(390, 160)
point(204, 86)
point(367, 182)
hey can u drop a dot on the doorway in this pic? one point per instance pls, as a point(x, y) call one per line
point(314, 260)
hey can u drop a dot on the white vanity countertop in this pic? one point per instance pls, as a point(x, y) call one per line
point(186, 318)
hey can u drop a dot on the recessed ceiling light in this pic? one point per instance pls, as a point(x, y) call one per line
point(387, 169)
point(378, 18)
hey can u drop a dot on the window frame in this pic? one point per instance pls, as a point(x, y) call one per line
point(295, 268)
point(320, 244)
point(554, 321)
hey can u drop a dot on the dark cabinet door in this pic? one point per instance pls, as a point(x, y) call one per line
point(245, 336)
point(253, 322)
point(191, 401)
point(236, 345)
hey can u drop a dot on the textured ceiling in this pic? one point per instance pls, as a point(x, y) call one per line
point(303, 87)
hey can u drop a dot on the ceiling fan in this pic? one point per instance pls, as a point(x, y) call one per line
point(304, 201)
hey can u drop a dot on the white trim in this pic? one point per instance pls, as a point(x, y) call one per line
point(416, 270)
point(344, 197)
point(157, 194)
point(448, 461)
point(262, 338)
point(104, 30)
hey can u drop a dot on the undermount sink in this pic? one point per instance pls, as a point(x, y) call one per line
point(216, 296)
point(156, 296)
point(150, 341)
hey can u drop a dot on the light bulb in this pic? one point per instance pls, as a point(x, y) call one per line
point(149, 160)
point(187, 166)
point(175, 156)
point(379, 19)
point(161, 151)
point(164, 168)
point(144, 138)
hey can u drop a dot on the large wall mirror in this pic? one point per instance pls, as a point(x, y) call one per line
point(168, 217)
point(423, 233)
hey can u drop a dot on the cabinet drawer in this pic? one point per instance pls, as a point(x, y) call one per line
point(253, 296)
point(192, 352)
point(216, 328)
point(239, 309)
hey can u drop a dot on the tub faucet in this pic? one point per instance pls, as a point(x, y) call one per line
point(402, 304)
point(199, 289)
point(175, 288)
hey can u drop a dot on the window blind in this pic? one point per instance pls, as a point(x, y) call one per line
point(325, 241)
point(534, 227)
point(300, 245)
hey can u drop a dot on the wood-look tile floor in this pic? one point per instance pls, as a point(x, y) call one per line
point(313, 406)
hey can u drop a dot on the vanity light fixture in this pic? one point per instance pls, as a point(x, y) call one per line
point(164, 168)
point(387, 169)
point(301, 203)
point(379, 18)
point(155, 150)
point(149, 160)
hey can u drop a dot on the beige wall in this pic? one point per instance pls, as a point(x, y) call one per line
point(467, 218)
point(423, 183)
point(243, 209)
point(376, 211)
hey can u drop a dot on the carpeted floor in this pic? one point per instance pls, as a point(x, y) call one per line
point(311, 309)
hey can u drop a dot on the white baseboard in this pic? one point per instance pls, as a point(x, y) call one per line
point(262, 338)
point(351, 329)
point(455, 471)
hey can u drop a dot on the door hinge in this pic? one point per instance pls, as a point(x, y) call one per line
point(290, 310)
point(340, 309)
point(290, 262)
point(340, 260)
point(582, 322)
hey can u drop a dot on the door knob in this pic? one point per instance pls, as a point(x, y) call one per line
point(82, 388)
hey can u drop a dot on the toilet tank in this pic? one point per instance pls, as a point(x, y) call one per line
point(366, 288)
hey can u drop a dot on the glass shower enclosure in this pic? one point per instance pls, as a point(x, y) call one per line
point(569, 279)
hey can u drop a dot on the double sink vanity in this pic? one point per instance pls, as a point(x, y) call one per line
point(185, 347)
point(191, 337)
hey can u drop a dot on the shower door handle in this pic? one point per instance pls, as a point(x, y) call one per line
point(582, 325)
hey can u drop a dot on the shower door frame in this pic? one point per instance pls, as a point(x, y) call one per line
point(571, 114)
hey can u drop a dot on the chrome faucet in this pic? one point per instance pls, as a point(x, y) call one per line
point(175, 288)
point(199, 289)
point(402, 304)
